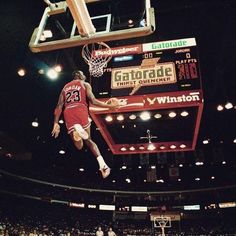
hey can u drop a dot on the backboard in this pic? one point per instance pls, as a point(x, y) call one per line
point(111, 20)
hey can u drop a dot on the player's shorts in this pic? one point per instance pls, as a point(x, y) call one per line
point(76, 115)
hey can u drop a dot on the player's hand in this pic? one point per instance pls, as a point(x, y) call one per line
point(114, 103)
point(55, 130)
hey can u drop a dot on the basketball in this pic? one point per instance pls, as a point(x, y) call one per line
point(113, 101)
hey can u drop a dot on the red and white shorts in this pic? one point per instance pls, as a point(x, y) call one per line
point(76, 115)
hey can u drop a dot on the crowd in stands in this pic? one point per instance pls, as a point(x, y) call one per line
point(25, 217)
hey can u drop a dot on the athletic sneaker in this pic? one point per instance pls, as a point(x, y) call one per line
point(79, 132)
point(105, 171)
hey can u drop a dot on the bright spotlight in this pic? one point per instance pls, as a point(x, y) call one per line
point(132, 117)
point(157, 116)
point(145, 115)
point(151, 147)
point(21, 72)
point(120, 117)
point(206, 141)
point(109, 118)
point(228, 105)
point(35, 124)
point(62, 152)
point(123, 149)
point(52, 74)
point(58, 68)
point(220, 108)
point(132, 148)
point(184, 113)
point(172, 114)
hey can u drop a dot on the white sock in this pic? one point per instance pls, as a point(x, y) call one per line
point(101, 162)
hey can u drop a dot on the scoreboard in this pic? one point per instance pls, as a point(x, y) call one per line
point(159, 78)
point(156, 67)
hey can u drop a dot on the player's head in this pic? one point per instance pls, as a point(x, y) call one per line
point(78, 74)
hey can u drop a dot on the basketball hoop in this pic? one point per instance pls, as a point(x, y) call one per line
point(96, 55)
point(162, 222)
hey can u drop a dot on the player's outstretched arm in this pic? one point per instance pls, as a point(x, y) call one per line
point(96, 102)
point(57, 114)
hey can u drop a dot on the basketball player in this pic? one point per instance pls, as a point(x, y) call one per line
point(73, 102)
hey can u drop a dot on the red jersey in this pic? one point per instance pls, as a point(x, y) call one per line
point(74, 94)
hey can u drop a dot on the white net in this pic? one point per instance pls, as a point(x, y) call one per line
point(96, 55)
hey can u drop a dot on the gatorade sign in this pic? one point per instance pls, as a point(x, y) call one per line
point(171, 44)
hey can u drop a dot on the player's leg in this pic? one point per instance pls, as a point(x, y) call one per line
point(78, 142)
point(103, 167)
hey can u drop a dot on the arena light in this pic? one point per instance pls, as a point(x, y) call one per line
point(184, 113)
point(162, 147)
point(58, 68)
point(132, 117)
point(113, 181)
point(141, 147)
point(223, 162)
point(128, 180)
point(172, 146)
point(61, 121)
point(41, 71)
point(181, 165)
point(197, 179)
point(220, 108)
point(109, 118)
point(52, 74)
point(234, 140)
point(182, 146)
point(153, 167)
point(145, 115)
point(123, 149)
point(120, 117)
point(172, 114)
point(151, 147)
point(62, 152)
point(206, 141)
point(124, 167)
point(212, 177)
point(228, 105)
point(35, 123)
point(140, 167)
point(21, 72)
point(132, 148)
point(157, 116)
point(81, 169)
point(179, 180)
point(199, 163)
